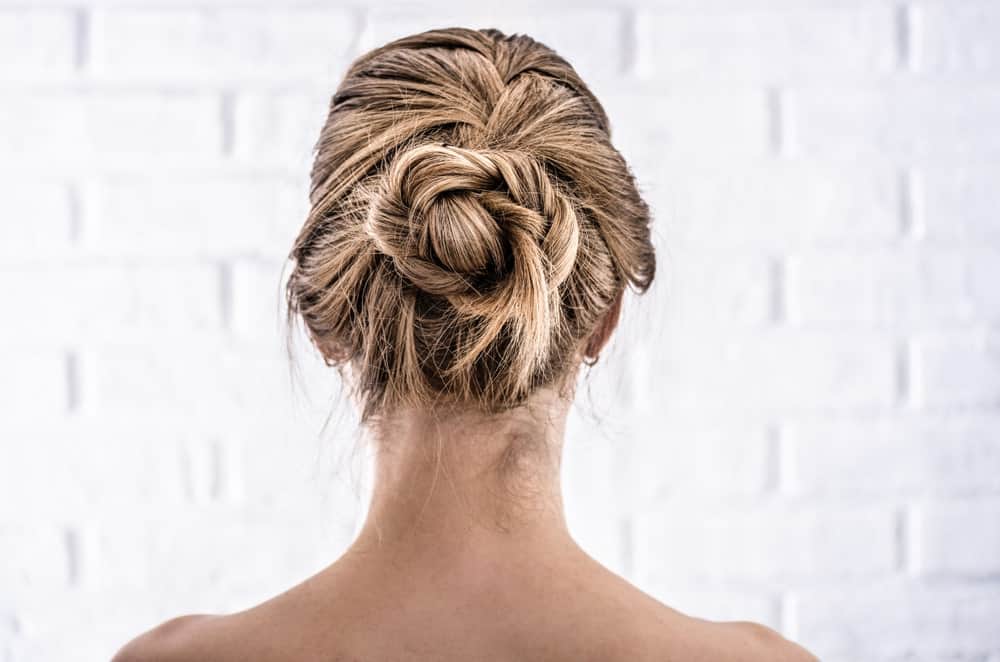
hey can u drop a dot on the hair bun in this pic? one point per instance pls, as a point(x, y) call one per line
point(486, 229)
point(453, 219)
point(429, 219)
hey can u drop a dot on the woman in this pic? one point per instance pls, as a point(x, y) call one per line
point(471, 236)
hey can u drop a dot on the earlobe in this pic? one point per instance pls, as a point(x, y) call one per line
point(602, 333)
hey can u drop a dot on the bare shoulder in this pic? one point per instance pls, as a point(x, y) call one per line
point(652, 630)
point(175, 640)
point(753, 641)
point(659, 632)
point(695, 640)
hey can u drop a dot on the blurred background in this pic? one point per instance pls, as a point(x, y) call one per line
point(799, 424)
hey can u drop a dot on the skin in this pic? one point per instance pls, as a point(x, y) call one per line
point(465, 555)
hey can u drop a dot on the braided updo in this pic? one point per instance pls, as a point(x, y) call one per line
point(470, 222)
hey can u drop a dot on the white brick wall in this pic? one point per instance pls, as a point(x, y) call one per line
point(283, 45)
point(767, 46)
point(800, 424)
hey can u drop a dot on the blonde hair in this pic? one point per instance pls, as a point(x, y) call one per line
point(470, 222)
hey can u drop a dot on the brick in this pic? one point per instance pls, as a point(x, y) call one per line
point(896, 122)
point(186, 215)
point(288, 457)
point(958, 538)
point(36, 42)
point(590, 39)
point(762, 545)
point(281, 128)
point(767, 45)
point(276, 456)
point(137, 468)
point(212, 470)
point(285, 44)
point(960, 203)
point(896, 620)
point(957, 369)
point(293, 209)
point(900, 288)
point(259, 299)
point(64, 131)
point(688, 126)
point(198, 549)
point(37, 217)
point(106, 301)
point(958, 38)
point(982, 276)
point(202, 379)
point(673, 454)
point(693, 290)
point(35, 556)
point(214, 380)
point(769, 371)
point(769, 203)
point(894, 456)
point(34, 382)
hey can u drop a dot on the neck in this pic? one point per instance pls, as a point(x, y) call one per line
point(447, 484)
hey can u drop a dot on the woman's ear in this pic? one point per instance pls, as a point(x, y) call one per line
point(601, 334)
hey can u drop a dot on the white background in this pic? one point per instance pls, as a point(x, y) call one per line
point(799, 424)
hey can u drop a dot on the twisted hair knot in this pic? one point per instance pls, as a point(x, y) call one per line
point(488, 231)
point(465, 223)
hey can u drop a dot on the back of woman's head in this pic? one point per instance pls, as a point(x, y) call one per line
point(470, 223)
